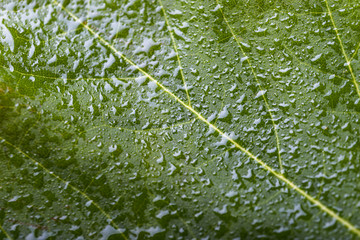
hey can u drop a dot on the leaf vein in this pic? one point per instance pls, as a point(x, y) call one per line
point(176, 51)
point(348, 62)
point(280, 176)
point(259, 85)
point(3, 140)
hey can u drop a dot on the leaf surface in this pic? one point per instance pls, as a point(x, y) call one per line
point(179, 119)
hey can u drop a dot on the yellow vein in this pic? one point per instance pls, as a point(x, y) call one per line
point(280, 176)
point(3, 140)
point(67, 79)
point(6, 234)
point(176, 51)
point(354, 54)
point(259, 85)
point(10, 107)
point(348, 63)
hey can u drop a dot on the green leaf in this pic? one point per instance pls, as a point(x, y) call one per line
point(179, 119)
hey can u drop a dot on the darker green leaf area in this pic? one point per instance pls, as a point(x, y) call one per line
point(130, 119)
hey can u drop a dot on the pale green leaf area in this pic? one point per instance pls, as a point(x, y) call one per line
point(181, 119)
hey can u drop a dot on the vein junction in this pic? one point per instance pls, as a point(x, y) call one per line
point(348, 62)
point(280, 176)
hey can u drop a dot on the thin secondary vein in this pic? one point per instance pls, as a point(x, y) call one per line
point(348, 62)
point(280, 176)
point(3, 140)
point(5, 233)
point(356, 50)
point(68, 79)
point(259, 85)
point(176, 51)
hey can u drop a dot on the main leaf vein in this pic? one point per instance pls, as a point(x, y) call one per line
point(280, 176)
